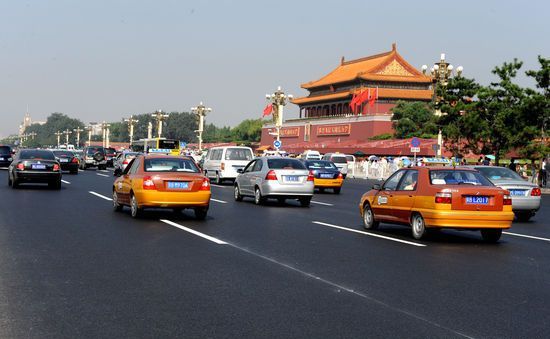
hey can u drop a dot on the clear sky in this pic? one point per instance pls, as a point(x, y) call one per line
point(103, 60)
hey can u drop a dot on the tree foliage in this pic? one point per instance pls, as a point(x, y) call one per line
point(414, 119)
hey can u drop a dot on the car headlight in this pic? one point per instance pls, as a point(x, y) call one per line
point(10, 159)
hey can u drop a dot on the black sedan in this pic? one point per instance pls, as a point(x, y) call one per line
point(34, 166)
point(6, 156)
point(67, 160)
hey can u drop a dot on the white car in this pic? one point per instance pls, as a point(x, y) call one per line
point(222, 163)
point(340, 160)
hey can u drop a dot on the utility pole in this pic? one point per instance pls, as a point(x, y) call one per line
point(159, 116)
point(58, 134)
point(78, 130)
point(131, 122)
point(200, 111)
point(278, 100)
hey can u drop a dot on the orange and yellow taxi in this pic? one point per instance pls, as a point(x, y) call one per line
point(439, 197)
point(325, 175)
point(162, 181)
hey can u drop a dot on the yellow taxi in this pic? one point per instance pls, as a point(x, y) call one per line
point(325, 175)
point(162, 181)
point(436, 198)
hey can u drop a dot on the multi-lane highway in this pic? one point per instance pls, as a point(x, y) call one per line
point(70, 267)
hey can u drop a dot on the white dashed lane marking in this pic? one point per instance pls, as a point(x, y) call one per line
point(102, 175)
point(100, 195)
point(526, 236)
point(65, 182)
point(321, 203)
point(220, 201)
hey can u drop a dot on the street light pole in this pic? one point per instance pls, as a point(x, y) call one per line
point(159, 116)
point(131, 122)
point(58, 134)
point(278, 100)
point(89, 129)
point(200, 111)
point(105, 128)
point(440, 73)
point(78, 130)
point(67, 132)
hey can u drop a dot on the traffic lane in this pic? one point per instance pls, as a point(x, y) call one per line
point(143, 278)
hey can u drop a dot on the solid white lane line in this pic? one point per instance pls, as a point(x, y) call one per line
point(220, 201)
point(321, 203)
point(100, 195)
point(202, 235)
point(104, 171)
point(369, 234)
point(526, 236)
point(65, 182)
point(219, 186)
point(80, 170)
point(103, 175)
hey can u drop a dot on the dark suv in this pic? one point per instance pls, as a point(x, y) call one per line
point(6, 156)
point(94, 156)
point(110, 155)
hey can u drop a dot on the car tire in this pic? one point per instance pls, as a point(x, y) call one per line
point(201, 212)
point(523, 216)
point(321, 190)
point(368, 218)
point(135, 210)
point(117, 207)
point(237, 193)
point(305, 202)
point(74, 172)
point(258, 198)
point(491, 235)
point(14, 183)
point(418, 226)
point(55, 184)
point(9, 180)
point(337, 190)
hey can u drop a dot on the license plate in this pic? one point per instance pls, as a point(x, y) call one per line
point(38, 166)
point(178, 184)
point(517, 193)
point(326, 175)
point(292, 178)
point(477, 200)
point(63, 160)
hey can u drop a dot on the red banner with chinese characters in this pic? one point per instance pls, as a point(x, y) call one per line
point(327, 130)
point(290, 132)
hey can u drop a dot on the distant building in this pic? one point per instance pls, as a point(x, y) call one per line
point(27, 121)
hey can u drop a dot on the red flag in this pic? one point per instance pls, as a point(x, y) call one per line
point(352, 103)
point(355, 101)
point(374, 97)
point(267, 110)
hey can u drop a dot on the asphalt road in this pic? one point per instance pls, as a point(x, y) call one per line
point(70, 267)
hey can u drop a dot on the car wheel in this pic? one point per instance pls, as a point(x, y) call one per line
point(523, 216)
point(14, 183)
point(135, 211)
point(258, 199)
point(337, 190)
point(491, 235)
point(9, 180)
point(237, 194)
point(305, 202)
point(418, 226)
point(74, 172)
point(117, 207)
point(201, 212)
point(321, 190)
point(368, 218)
point(218, 179)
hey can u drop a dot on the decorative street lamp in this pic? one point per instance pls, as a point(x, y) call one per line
point(440, 73)
point(105, 128)
point(278, 100)
point(67, 132)
point(78, 130)
point(159, 116)
point(131, 122)
point(200, 111)
point(58, 134)
point(89, 129)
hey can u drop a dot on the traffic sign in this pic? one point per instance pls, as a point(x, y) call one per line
point(415, 149)
point(277, 144)
point(183, 144)
point(415, 142)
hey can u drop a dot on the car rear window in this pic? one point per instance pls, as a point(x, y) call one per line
point(238, 154)
point(338, 159)
point(321, 164)
point(499, 173)
point(458, 177)
point(349, 158)
point(63, 154)
point(5, 150)
point(94, 150)
point(170, 165)
point(36, 154)
point(285, 164)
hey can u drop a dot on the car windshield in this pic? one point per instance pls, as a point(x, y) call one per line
point(63, 154)
point(321, 164)
point(458, 177)
point(499, 173)
point(285, 164)
point(339, 159)
point(36, 155)
point(238, 154)
point(170, 165)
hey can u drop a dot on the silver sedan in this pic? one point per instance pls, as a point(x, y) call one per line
point(525, 195)
point(275, 177)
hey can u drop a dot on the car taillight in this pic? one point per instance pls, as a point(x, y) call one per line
point(20, 166)
point(340, 176)
point(125, 162)
point(443, 198)
point(75, 160)
point(205, 186)
point(507, 200)
point(148, 183)
point(55, 167)
point(535, 192)
point(310, 176)
point(271, 175)
point(222, 166)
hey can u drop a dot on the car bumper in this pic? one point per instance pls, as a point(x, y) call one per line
point(526, 204)
point(173, 199)
point(274, 188)
point(468, 219)
point(39, 177)
point(328, 182)
point(73, 166)
point(95, 163)
point(5, 163)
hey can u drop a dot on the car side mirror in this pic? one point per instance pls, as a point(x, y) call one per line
point(239, 170)
point(376, 187)
point(117, 172)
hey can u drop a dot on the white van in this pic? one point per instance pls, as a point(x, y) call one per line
point(222, 163)
point(340, 160)
point(311, 155)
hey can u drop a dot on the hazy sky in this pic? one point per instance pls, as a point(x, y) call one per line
point(103, 60)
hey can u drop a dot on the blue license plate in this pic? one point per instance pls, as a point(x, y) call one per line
point(477, 200)
point(178, 184)
point(292, 178)
point(38, 166)
point(326, 175)
point(517, 193)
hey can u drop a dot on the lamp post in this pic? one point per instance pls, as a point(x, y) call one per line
point(78, 130)
point(105, 128)
point(440, 73)
point(89, 129)
point(58, 134)
point(131, 122)
point(278, 100)
point(67, 132)
point(159, 116)
point(200, 111)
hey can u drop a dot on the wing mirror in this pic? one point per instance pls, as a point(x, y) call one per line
point(239, 170)
point(376, 187)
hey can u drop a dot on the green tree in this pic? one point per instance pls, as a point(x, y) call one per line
point(45, 134)
point(413, 119)
point(249, 130)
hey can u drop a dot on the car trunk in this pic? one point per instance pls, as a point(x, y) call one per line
point(177, 182)
point(473, 199)
point(291, 177)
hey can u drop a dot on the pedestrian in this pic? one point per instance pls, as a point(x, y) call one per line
point(543, 173)
point(486, 161)
point(512, 165)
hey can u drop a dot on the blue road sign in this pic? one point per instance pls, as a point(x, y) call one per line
point(277, 144)
point(183, 144)
point(415, 142)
